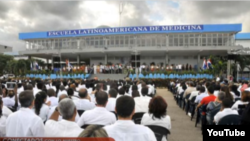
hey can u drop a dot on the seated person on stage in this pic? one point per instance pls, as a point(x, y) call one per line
point(24, 122)
point(157, 114)
point(125, 129)
point(84, 103)
point(226, 110)
point(99, 115)
point(66, 127)
point(112, 100)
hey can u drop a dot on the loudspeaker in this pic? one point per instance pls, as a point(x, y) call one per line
point(135, 57)
point(56, 59)
point(231, 57)
point(133, 64)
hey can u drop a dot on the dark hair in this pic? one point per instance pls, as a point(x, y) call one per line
point(198, 87)
point(65, 83)
point(135, 94)
point(227, 93)
point(51, 92)
point(101, 98)
point(202, 89)
point(83, 93)
point(144, 91)
point(134, 88)
point(70, 92)
point(158, 107)
point(234, 89)
point(226, 103)
point(113, 93)
point(39, 100)
point(210, 89)
point(184, 87)
point(26, 98)
point(125, 106)
point(217, 87)
point(40, 85)
point(104, 86)
point(121, 91)
point(1, 111)
point(221, 96)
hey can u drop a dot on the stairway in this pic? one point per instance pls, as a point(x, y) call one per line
point(108, 76)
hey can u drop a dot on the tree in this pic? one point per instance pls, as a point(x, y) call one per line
point(219, 65)
point(243, 61)
point(4, 59)
point(21, 66)
point(11, 67)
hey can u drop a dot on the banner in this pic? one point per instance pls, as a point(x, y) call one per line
point(53, 139)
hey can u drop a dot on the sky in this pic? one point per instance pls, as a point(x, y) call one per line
point(32, 16)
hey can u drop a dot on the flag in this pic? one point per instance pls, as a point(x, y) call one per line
point(204, 64)
point(209, 64)
point(31, 67)
point(37, 66)
point(68, 64)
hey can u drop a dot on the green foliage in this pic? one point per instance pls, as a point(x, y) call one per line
point(4, 59)
point(219, 65)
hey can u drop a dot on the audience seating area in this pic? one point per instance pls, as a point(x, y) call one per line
point(56, 76)
point(172, 76)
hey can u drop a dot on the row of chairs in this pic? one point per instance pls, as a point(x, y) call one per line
point(159, 131)
point(171, 76)
point(189, 106)
point(55, 76)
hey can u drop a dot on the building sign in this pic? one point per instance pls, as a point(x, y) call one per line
point(126, 30)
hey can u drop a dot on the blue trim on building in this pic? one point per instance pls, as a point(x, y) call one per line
point(134, 30)
point(242, 36)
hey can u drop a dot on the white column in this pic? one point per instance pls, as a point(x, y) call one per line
point(166, 59)
point(198, 61)
point(105, 59)
point(228, 68)
point(78, 60)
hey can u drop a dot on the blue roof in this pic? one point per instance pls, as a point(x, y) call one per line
point(242, 36)
point(134, 30)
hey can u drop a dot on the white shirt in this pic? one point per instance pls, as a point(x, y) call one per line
point(141, 104)
point(111, 104)
point(237, 103)
point(163, 122)
point(234, 95)
point(84, 104)
point(63, 128)
point(2, 126)
point(127, 130)
point(225, 112)
point(35, 91)
point(24, 123)
point(51, 111)
point(193, 94)
point(216, 93)
point(44, 111)
point(92, 98)
point(200, 97)
point(76, 94)
point(98, 115)
point(53, 101)
point(8, 102)
point(6, 111)
point(61, 93)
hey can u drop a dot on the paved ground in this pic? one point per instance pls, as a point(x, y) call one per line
point(183, 129)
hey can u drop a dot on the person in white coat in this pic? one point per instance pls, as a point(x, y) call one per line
point(157, 114)
point(41, 109)
point(2, 120)
point(125, 129)
point(24, 122)
point(67, 126)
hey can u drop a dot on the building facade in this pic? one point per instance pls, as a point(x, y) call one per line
point(167, 45)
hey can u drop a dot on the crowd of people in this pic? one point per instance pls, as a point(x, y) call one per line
point(82, 108)
point(214, 100)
